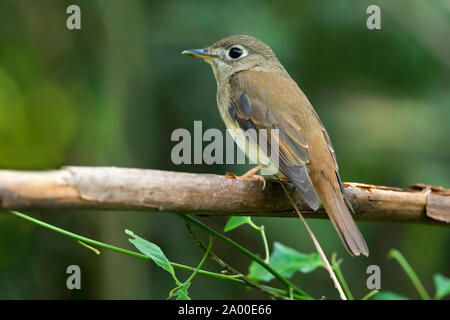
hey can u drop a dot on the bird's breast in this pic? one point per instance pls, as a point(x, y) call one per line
point(251, 149)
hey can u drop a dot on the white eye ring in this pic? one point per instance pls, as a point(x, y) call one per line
point(236, 52)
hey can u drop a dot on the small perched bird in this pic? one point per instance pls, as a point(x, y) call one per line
point(254, 91)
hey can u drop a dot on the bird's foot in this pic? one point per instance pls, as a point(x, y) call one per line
point(251, 174)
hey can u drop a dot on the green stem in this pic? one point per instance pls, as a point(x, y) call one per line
point(337, 269)
point(80, 238)
point(211, 241)
point(89, 247)
point(266, 246)
point(220, 276)
point(370, 294)
point(261, 230)
point(393, 253)
point(245, 252)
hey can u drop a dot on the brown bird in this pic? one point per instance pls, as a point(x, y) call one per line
point(254, 91)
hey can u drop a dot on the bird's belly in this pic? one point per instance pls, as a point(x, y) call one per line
point(251, 149)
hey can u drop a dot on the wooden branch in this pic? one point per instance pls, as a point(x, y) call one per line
point(110, 188)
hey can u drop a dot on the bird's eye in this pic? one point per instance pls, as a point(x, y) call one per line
point(235, 52)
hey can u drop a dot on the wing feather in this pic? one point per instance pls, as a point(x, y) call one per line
point(250, 112)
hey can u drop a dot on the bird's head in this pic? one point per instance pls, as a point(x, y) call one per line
point(237, 53)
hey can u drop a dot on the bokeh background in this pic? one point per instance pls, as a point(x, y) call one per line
point(111, 93)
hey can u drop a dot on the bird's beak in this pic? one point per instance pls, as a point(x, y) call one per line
point(199, 53)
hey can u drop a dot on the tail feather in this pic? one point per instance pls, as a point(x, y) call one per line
point(333, 200)
point(347, 229)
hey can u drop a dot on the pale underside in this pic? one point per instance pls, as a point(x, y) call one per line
point(251, 149)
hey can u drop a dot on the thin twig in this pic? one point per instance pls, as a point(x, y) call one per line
point(317, 245)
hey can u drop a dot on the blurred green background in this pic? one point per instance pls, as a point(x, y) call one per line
point(111, 93)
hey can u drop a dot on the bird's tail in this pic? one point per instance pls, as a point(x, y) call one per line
point(333, 200)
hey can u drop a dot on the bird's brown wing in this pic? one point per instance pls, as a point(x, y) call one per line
point(259, 106)
point(333, 155)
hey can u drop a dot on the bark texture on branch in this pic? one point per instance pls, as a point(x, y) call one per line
point(111, 188)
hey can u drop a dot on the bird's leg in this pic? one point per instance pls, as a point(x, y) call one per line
point(252, 175)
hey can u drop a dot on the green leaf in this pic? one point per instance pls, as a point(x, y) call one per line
point(181, 292)
point(442, 285)
point(235, 222)
point(152, 251)
point(388, 295)
point(286, 261)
